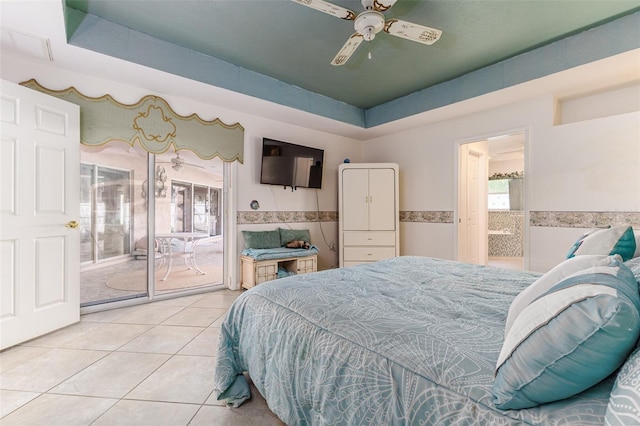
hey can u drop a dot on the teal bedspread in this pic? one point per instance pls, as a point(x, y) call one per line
point(404, 341)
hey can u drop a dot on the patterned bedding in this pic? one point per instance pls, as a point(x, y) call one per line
point(403, 341)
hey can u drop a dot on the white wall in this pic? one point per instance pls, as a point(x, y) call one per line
point(591, 165)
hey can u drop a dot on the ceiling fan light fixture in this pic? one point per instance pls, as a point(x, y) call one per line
point(368, 34)
point(369, 23)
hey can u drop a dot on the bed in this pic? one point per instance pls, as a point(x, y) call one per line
point(409, 340)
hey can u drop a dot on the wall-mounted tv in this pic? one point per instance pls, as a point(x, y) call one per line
point(287, 164)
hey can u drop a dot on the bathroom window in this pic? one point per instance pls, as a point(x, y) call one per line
point(499, 194)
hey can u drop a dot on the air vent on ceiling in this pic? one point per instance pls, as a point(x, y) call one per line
point(26, 44)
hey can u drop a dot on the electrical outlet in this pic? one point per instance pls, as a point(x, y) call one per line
point(332, 246)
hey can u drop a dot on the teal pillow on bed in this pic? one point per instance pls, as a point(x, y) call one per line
point(624, 403)
point(569, 338)
point(261, 239)
point(548, 280)
point(288, 235)
point(617, 240)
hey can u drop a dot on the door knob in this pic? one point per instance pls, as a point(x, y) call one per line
point(72, 224)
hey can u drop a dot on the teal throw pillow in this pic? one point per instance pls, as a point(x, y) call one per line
point(261, 239)
point(569, 338)
point(548, 280)
point(617, 240)
point(288, 235)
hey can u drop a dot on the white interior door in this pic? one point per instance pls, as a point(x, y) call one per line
point(39, 200)
point(473, 231)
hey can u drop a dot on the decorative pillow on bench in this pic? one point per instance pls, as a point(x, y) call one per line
point(261, 239)
point(288, 235)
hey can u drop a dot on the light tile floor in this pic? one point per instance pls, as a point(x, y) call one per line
point(507, 262)
point(144, 365)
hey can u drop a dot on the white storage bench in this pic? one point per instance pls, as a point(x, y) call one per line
point(255, 271)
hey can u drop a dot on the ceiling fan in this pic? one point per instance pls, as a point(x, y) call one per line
point(369, 23)
point(177, 163)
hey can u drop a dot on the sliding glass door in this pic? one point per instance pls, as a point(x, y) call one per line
point(116, 200)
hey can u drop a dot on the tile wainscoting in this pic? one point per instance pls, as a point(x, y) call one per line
point(505, 233)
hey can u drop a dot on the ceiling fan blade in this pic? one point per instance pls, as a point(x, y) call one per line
point(347, 50)
point(383, 5)
point(193, 165)
point(329, 8)
point(411, 31)
point(179, 165)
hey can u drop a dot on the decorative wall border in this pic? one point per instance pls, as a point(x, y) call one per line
point(254, 218)
point(556, 219)
point(426, 216)
point(549, 219)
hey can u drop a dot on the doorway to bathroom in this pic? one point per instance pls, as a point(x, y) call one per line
point(491, 201)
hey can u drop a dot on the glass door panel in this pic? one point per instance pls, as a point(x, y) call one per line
point(113, 223)
point(215, 219)
point(181, 207)
point(87, 177)
point(201, 204)
point(192, 259)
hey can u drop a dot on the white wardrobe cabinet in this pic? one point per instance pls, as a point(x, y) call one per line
point(368, 212)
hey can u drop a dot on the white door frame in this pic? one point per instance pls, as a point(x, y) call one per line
point(230, 226)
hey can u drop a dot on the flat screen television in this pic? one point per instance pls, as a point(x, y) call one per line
point(288, 164)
